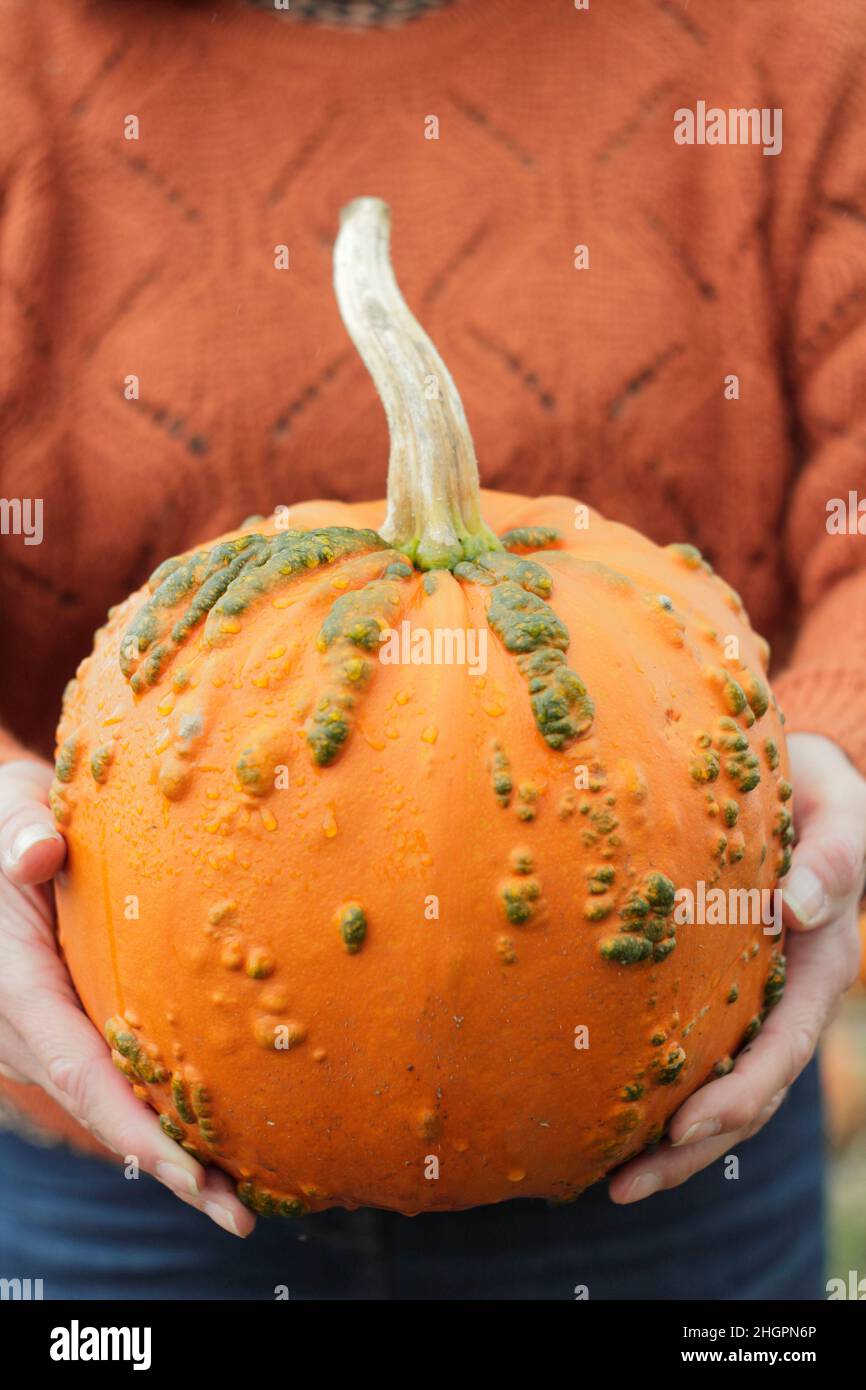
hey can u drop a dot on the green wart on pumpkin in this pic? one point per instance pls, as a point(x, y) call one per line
point(615, 912)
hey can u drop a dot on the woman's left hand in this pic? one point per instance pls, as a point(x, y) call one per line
point(820, 896)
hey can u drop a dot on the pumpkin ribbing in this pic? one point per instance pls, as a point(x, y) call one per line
point(392, 895)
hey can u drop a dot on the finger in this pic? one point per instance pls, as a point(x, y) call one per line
point(95, 1093)
point(10, 1074)
point(31, 847)
point(31, 850)
point(48, 1039)
point(16, 1059)
point(220, 1203)
point(827, 869)
point(668, 1167)
point(79, 1074)
point(216, 1201)
point(818, 967)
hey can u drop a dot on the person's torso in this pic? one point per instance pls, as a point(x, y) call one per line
point(168, 373)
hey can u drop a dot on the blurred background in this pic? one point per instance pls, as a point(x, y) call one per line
point(843, 1059)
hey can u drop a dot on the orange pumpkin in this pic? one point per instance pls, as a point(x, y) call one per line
point(375, 830)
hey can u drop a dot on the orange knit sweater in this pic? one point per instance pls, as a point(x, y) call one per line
point(155, 257)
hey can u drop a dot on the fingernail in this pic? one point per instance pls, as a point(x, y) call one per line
point(701, 1129)
point(804, 894)
point(177, 1178)
point(26, 838)
point(222, 1216)
point(644, 1186)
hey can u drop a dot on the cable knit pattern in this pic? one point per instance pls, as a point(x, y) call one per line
point(155, 257)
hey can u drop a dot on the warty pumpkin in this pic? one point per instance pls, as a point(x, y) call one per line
point(404, 933)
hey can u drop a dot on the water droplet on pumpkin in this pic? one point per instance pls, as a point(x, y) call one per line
point(430, 734)
point(516, 1174)
point(329, 824)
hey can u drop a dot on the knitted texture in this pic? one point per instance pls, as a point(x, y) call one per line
point(155, 258)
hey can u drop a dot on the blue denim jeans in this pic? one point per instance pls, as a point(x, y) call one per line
point(88, 1233)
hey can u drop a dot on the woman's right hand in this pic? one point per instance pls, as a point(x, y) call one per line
point(45, 1037)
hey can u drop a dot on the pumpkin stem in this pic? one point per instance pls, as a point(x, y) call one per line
point(434, 511)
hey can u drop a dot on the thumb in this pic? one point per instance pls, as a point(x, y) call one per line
point(827, 870)
point(31, 847)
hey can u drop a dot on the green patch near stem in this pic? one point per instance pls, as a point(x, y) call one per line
point(355, 624)
point(532, 632)
point(217, 585)
point(530, 538)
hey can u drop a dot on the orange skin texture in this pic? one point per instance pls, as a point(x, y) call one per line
point(427, 1043)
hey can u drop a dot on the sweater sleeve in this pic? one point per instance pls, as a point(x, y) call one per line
point(822, 213)
point(25, 284)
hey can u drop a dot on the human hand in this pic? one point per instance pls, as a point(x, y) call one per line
point(45, 1037)
point(820, 896)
